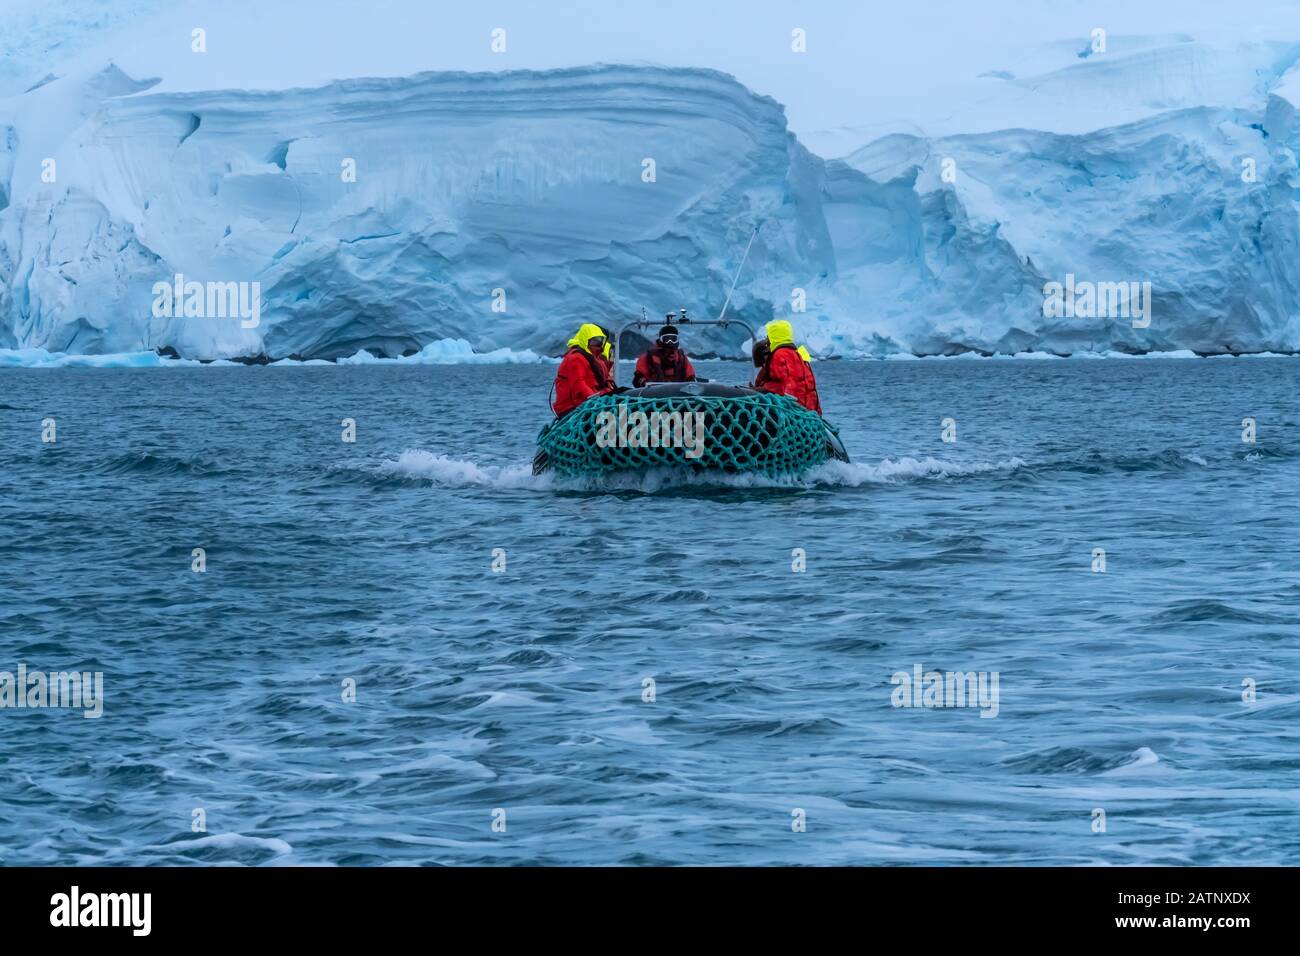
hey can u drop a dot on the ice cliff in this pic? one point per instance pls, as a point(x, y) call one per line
point(539, 185)
point(503, 208)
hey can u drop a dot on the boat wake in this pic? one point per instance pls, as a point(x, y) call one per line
point(462, 473)
point(446, 471)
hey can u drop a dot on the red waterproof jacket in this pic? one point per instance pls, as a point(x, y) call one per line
point(659, 364)
point(580, 376)
point(786, 373)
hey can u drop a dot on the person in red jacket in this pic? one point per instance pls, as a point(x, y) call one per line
point(664, 361)
point(782, 369)
point(583, 371)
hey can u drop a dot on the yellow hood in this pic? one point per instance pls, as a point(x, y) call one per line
point(779, 333)
point(805, 354)
point(586, 333)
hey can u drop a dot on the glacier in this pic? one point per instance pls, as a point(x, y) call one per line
point(531, 184)
point(499, 209)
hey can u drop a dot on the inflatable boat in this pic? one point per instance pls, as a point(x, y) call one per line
point(688, 425)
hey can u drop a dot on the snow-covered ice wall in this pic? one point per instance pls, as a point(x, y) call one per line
point(535, 183)
point(1160, 201)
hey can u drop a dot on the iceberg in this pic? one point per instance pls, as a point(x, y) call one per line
point(951, 266)
point(449, 352)
point(383, 215)
point(42, 358)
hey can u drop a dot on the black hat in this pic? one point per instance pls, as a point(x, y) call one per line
point(667, 330)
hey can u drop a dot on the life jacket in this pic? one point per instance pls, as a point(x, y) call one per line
point(786, 373)
point(812, 377)
point(659, 364)
point(599, 367)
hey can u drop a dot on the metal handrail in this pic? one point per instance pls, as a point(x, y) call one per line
point(645, 322)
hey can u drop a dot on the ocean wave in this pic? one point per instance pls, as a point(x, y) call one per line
point(227, 841)
point(147, 462)
point(1082, 761)
point(1140, 761)
point(1263, 453)
point(1093, 462)
point(1199, 611)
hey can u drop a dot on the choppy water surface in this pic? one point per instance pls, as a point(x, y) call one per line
point(523, 690)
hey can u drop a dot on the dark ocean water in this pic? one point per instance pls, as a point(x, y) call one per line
point(522, 690)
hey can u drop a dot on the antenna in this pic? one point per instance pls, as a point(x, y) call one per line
point(723, 313)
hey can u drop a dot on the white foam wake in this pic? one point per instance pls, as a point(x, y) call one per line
point(893, 471)
point(458, 472)
point(1143, 760)
point(228, 841)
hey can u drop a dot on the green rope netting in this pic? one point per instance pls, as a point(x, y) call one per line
point(770, 434)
